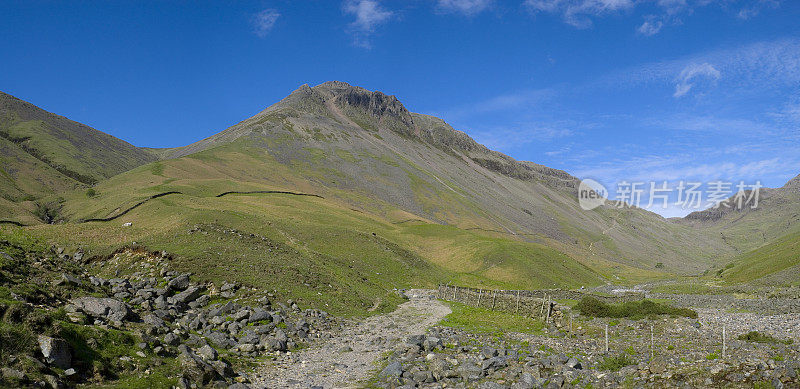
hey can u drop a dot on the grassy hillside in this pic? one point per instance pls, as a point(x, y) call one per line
point(317, 250)
point(776, 263)
point(43, 153)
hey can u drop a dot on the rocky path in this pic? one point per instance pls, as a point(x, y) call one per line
point(349, 357)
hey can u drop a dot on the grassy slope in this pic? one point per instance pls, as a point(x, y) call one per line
point(43, 153)
point(767, 263)
point(320, 251)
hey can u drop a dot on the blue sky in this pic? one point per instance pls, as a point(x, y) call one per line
point(613, 90)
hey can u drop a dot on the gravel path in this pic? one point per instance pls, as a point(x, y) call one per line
point(349, 357)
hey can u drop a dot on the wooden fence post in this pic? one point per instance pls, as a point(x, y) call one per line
point(517, 310)
point(723, 342)
point(494, 298)
point(541, 311)
point(606, 338)
point(480, 292)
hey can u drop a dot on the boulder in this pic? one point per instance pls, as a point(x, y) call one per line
point(11, 374)
point(574, 363)
point(55, 351)
point(259, 315)
point(219, 339)
point(207, 352)
point(394, 369)
point(103, 307)
point(493, 364)
point(190, 294)
point(195, 368)
point(68, 279)
point(180, 282)
point(222, 309)
point(171, 339)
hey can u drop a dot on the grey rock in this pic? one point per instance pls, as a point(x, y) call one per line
point(207, 352)
point(55, 351)
point(53, 382)
point(68, 279)
point(574, 363)
point(9, 373)
point(470, 371)
point(431, 343)
point(219, 339)
point(394, 369)
point(104, 307)
point(180, 282)
point(494, 363)
point(222, 309)
point(187, 295)
point(259, 315)
point(489, 352)
point(275, 344)
point(171, 339)
point(153, 320)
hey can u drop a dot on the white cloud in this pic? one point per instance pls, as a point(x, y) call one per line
point(692, 74)
point(579, 13)
point(264, 21)
point(650, 28)
point(754, 9)
point(369, 14)
point(465, 7)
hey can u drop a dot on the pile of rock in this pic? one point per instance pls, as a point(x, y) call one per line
point(447, 357)
point(181, 321)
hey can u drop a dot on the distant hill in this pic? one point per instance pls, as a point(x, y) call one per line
point(43, 153)
point(766, 238)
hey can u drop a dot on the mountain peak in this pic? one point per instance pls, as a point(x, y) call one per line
point(793, 183)
point(374, 103)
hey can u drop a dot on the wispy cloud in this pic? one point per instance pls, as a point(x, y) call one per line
point(264, 21)
point(694, 74)
point(650, 27)
point(761, 65)
point(754, 9)
point(504, 102)
point(464, 7)
point(580, 13)
point(521, 134)
point(369, 14)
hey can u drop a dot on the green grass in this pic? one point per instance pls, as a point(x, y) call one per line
point(758, 337)
point(321, 252)
point(481, 320)
point(589, 306)
point(615, 362)
point(774, 257)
